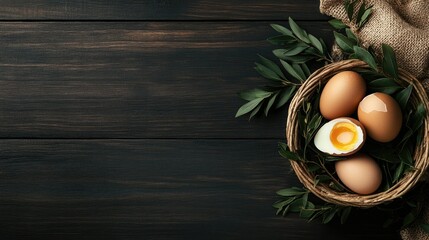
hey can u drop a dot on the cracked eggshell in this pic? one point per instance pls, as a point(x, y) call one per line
point(381, 116)
point(340, 137)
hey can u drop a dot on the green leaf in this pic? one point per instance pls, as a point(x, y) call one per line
point(383, 152)
point(343, 42)
point(384, 82)
point(305, 199)
point(353, 56)
point(325, 49)
point(389, 61)
point(282, 145)
point(408, 129)
point(281, 29)
point(308, 210)
point(306, 70)
point(365, 56)
point(386, 85)
point(285, 96)
point(398, 172)
point(316, 43)
point(270, 103)
point(284, 53)
point(365, 17)
point(405, 138)
point(315, 215)
point(360, 12)
point(300, 71)
point(279, 210)
point(321, 179)
point(310, 205)
point(266, 72)
point(292, 71)
point(337, 24)
point(312, 51)
point(281, 204)
point(425, 227)
point(336, 186)
point(312, 167)
point(246, 108)
point(306, 213)
point(418, 117)
point(372, 51)
point(369, 74)
point(298, 58)
point(329, 215)
point(297, 205)
point(286, 153)
point(286, 210)
point(291, 192)
point(351, 36)
point(252, 94)
point(295, 51)
point(281, 40)
point(314, 124)
point(350, 9)
point(419, 137)
point(272, 66)
point(300, 33)
point(403, 96)
point(406, 156)
point(255, 111)
point(345, 214)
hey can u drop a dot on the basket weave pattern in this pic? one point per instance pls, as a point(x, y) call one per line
point(421, 153)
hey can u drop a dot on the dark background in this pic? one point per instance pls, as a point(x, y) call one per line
point(117, 121)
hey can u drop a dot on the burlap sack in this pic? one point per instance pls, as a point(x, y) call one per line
point(404, 25)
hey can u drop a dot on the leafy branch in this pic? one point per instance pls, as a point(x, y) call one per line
point(299, 47)
point(296, 200)
point(363, 13)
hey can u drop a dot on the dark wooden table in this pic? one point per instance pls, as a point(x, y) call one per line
point(117, 122)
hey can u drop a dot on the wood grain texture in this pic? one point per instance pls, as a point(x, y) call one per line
point(154, 189)
point(123, 127)
point(160, 10)
point(140, 80)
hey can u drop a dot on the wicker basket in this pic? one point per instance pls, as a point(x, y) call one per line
point(421, 154)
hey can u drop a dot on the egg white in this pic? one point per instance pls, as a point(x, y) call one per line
point(322, 139)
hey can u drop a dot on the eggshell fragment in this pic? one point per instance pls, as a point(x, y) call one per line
point(360, 173)
point(341, 95)
point(381, 116)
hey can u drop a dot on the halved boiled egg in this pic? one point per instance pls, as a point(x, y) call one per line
point(340, 137)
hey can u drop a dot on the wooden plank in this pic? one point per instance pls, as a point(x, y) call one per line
point(155, 189)
point(133, 80)
point(161, 10)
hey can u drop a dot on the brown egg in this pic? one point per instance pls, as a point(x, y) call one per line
point(341, 95)
point(381, 116)
point(360, 173)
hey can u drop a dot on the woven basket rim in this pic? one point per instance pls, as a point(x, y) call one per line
point(421, 153)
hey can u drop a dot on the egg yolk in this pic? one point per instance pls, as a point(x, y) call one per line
point(344, 136)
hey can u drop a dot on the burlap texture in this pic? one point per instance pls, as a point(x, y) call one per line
point(404, 25)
